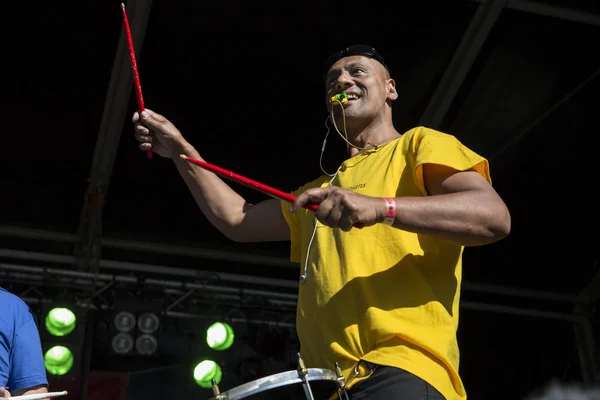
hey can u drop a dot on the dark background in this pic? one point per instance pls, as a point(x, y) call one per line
point(242, 81)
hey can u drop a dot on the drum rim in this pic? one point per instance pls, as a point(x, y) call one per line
point(274, 381)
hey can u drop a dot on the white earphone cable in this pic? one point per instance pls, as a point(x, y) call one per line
point(304, 275)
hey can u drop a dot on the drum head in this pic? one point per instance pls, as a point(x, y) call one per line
point(286, 386)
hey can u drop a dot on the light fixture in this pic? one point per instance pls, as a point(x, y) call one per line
point(146, 344)
point(58, 360)
point(148, 323)
point(62, 338)
point(206, 371)
point(122, 343)
point(219, 336)
point(125, 321)
point(60, 321)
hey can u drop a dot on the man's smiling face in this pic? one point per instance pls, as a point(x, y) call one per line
point(364, 80)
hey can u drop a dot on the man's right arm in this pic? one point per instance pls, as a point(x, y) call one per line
point(230, 213)
point(223, 207)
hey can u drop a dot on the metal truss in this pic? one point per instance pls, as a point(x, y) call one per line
point(178, 295)
point(204, 294)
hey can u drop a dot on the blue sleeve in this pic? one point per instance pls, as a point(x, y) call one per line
point(4, 355)
point(27, 364)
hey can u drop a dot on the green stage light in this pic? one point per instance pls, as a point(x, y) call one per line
point(206, 371)
point(219, 336)
point(60, 321)
point(58, 360)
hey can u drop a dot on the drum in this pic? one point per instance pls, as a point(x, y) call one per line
point(307, 383)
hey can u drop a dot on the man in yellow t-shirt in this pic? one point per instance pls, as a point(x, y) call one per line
point(381, 258)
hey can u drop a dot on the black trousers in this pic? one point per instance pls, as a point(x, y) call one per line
point(393, 384)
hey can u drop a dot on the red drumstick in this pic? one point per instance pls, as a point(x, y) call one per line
point(247, 182)
point(251, 183)
point(134, 69)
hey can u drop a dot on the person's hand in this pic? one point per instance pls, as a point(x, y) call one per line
point(341, 208)
point(4, 394)
point(156, 133)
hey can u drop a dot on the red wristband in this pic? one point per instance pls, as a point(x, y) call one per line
point(390, 211)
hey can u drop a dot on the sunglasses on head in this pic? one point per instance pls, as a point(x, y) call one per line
point(356, 50)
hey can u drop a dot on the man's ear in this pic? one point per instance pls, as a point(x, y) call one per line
point(392, 93)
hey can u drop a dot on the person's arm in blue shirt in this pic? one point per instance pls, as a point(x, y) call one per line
point(27, 373)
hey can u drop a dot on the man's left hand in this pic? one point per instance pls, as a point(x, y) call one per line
point(342, 208)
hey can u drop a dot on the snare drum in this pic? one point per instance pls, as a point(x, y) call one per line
point(311, 383)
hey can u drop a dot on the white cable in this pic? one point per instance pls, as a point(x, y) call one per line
point(323, 148)
point(304, 275)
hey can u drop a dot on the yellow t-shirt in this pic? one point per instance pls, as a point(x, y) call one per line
point(379, 293)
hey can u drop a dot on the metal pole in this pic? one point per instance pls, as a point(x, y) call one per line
point(515, 292)
point(526, 127)
point(548, 10)
point(586, 347)
point(584, 332)
point(156, 248)
point(88, 347)
point(155, 269)
point(523, 312)
point(464, 56)
point(88, 248)
point(40, 273)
